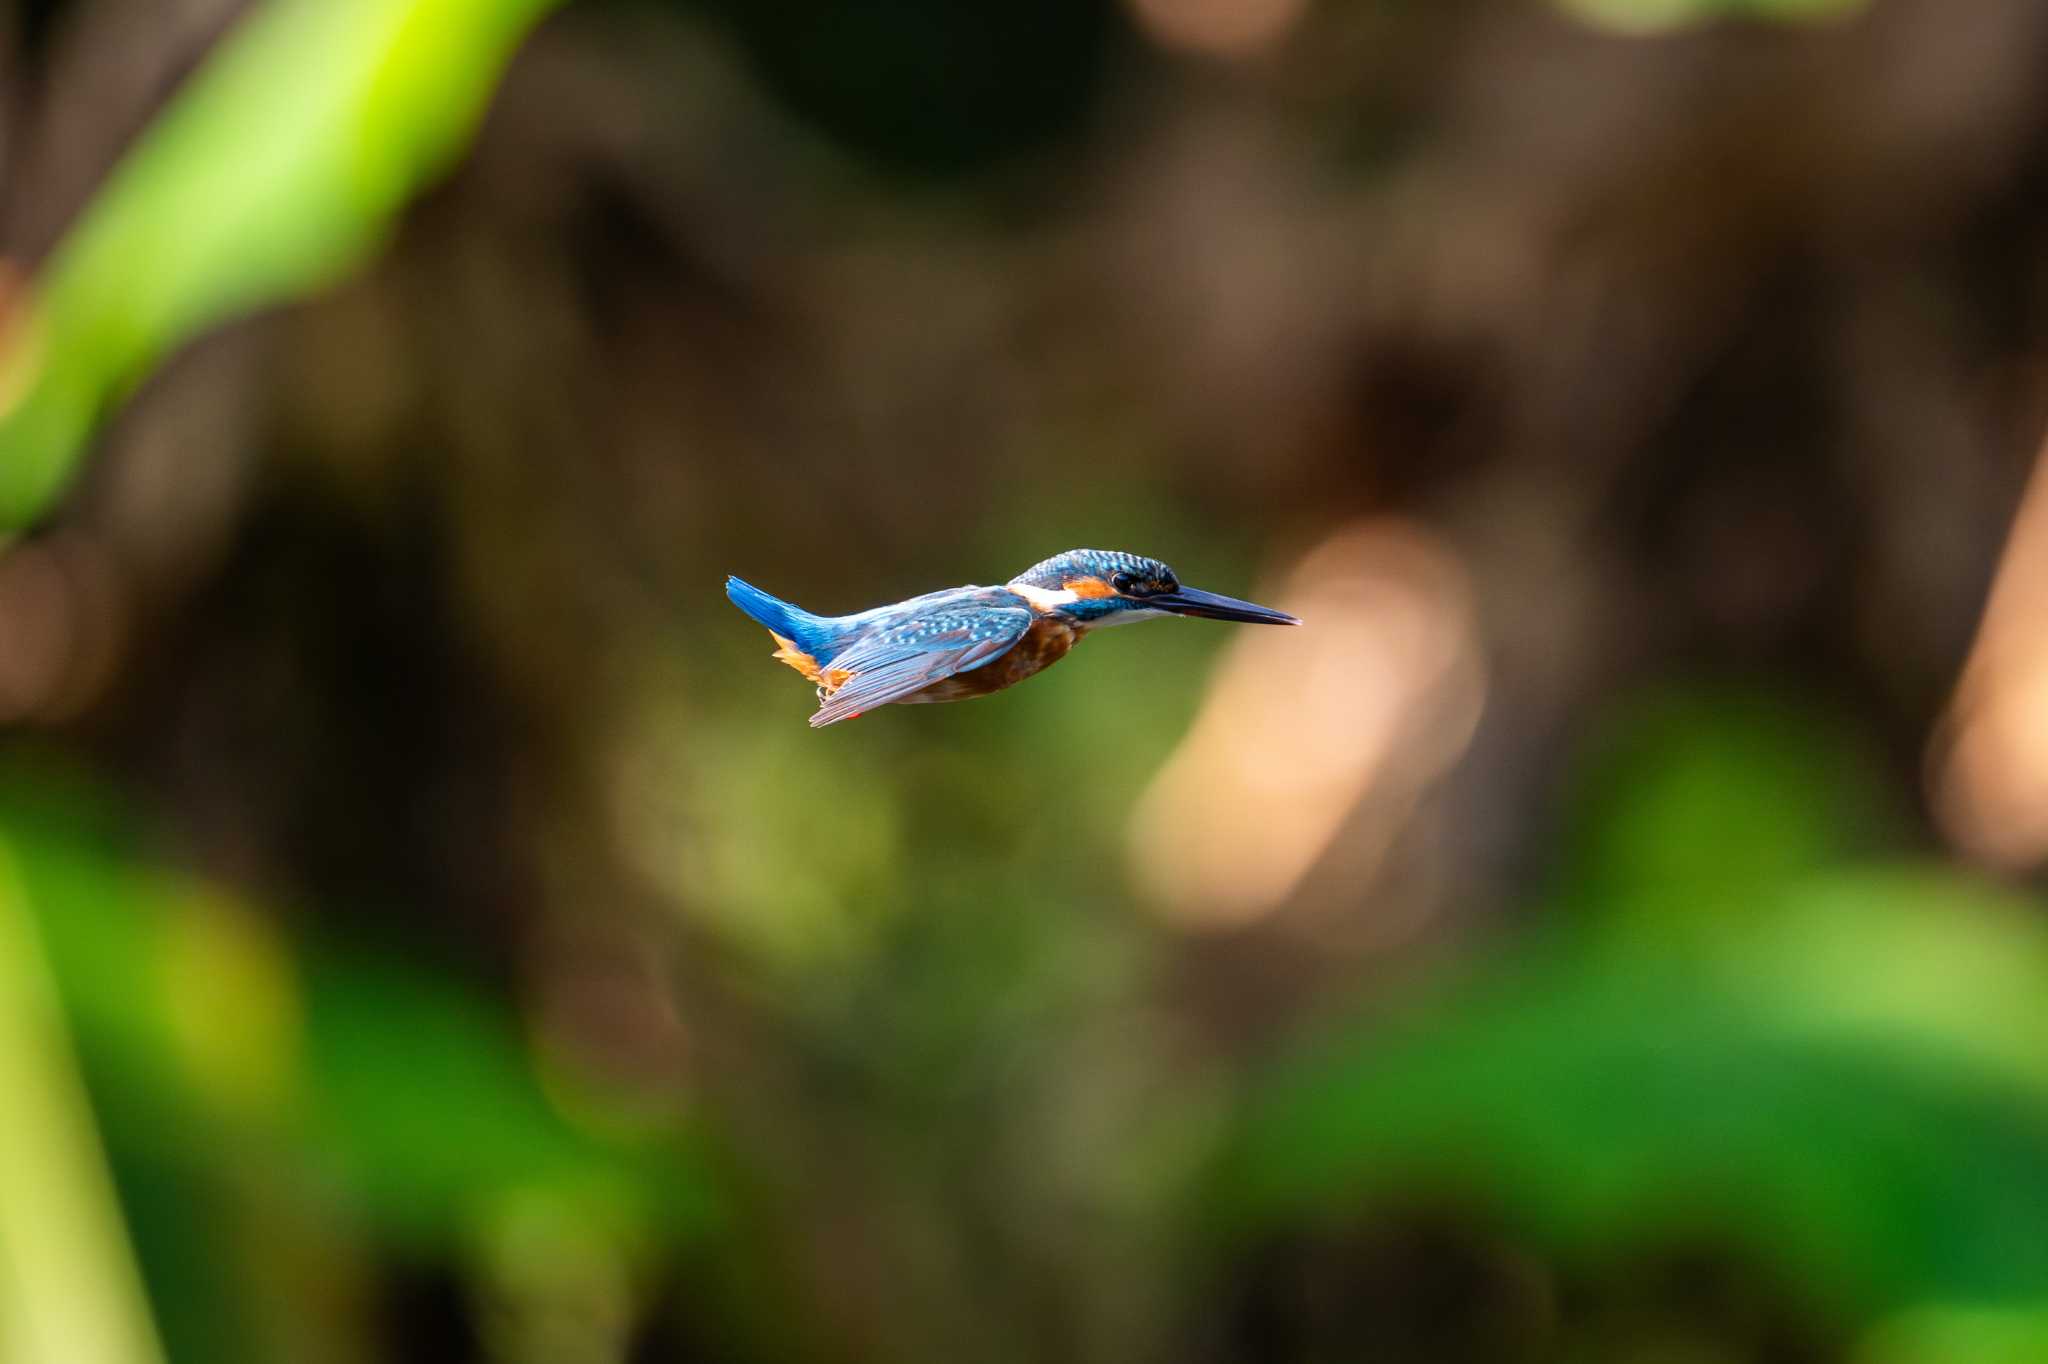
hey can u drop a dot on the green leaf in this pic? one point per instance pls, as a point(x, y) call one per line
point(339, 1094)
point(1693, 805)
point(1852, 1089)
point(276, 171)
point(1661, 16)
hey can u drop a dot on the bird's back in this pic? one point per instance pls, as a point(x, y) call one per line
point(947, 601)
point(811, 643)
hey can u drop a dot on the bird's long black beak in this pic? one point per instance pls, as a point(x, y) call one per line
point(1193, 601)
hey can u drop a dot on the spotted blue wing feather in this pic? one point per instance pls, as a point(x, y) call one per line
point(894, 660)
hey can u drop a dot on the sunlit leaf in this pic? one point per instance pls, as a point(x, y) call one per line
point(69, 1288)
point(276, 170)
point(1658, 16)
point(1959, 1335)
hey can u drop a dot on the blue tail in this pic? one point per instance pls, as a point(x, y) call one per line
point(815, 635)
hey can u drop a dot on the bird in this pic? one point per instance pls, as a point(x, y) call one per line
point(964, 642)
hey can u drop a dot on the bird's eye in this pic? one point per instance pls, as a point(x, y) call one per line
point(1122, 582)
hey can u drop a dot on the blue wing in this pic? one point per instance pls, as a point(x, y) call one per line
point(892, 661)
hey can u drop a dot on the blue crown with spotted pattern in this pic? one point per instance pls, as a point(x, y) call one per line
point(1061, 569)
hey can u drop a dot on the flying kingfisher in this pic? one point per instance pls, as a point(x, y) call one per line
point(971, 641)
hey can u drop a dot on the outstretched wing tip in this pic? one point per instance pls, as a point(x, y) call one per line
point(822, 717)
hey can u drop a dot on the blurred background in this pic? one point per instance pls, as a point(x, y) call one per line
point(1611, 929)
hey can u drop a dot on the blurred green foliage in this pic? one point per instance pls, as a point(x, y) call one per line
point(1736, 1017)
point(1657, 16)
point(1825, 1063)
point(72, 1291)
point(273, 173)
point(1734, 1032)
point(314, 1102)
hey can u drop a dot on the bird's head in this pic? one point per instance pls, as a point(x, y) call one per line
point(1109, 587)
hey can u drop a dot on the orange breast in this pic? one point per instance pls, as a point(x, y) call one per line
point(1045, 643)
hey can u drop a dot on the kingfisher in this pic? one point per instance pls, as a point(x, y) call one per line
point(970, 641)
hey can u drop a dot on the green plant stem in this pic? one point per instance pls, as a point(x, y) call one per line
point(69, 1288)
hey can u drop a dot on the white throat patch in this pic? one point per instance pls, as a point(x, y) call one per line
point(1045, 599)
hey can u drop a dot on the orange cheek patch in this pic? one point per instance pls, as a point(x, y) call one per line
point(1089, 589)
